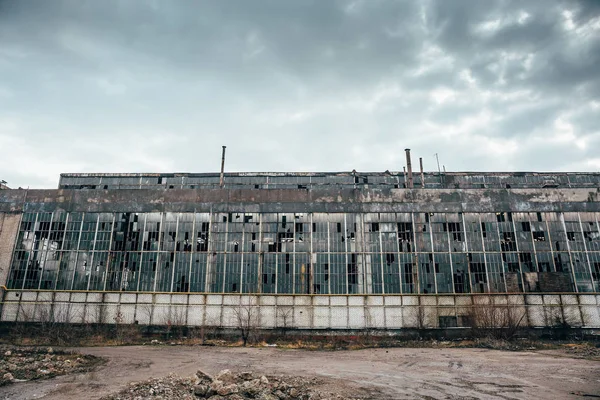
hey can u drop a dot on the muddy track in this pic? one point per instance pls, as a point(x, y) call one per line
point(400, 373)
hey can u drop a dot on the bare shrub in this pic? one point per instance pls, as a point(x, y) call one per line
point(499, 321)
point(285, 315)
point(246, 319)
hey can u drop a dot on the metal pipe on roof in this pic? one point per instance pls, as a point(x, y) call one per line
point(409, 168)
point(422, 174)
point(222, 178)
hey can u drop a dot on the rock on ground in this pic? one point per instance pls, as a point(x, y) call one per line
point(225, 385)
point(31, 363)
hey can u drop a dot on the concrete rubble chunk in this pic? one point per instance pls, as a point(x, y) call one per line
point(226, 376)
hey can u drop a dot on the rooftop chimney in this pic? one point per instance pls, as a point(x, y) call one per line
point(409, 168)
point(222, 180)
point(422, 174)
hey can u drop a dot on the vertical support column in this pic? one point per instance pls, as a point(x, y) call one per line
point(433, 257)
point(464, 230)
point(193, 236)
point(381, 259)
point(294, 256)
point(91, 261)
point(46, 251)
point(241, 246)
point(209, 263)
point(225, 254)
point(330, 269)
point(398, 254)
point(175, 252)
point(345, 236)
point(485, 263)
point(562, 222)
point(261, 254)
point(503, 271)
point(587, 256)
point(417, 275)
point(30, 253)
point(142, 253)
point(310, 258)
point(159, 248)
point(77, 253)
point(521, 278)
point(105, 273)
point(61, 251)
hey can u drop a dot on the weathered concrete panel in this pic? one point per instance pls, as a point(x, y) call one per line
point(9, 230)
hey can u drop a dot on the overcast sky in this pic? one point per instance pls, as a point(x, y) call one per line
point(323, 85)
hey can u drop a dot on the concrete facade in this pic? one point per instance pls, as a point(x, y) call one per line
point(311, 251)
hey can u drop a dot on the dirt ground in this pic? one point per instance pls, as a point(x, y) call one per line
point(396, 373)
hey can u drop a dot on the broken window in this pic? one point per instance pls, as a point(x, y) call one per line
point(539, 236)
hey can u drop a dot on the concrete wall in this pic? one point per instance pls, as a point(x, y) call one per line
point(9, 228)
point(302, 312)
point(329, 200)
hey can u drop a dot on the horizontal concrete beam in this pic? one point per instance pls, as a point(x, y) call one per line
point(326, 200)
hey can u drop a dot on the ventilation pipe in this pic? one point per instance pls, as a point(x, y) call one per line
point(409, 168)
point(222, 178)
point(422, 174)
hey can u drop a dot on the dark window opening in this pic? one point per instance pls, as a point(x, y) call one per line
point(374, 226)
point(544, 266)
point(352, 271)
point(571, 236)
point(448, 322)
point(247, 218)
point(390, 258)
point(299, 227)
point(539, 236)
point(405, 231)
point(526, 260)
point(596, 272)
point(539, 216)
point(339, 227)
point(513, 267)
point(526, 226)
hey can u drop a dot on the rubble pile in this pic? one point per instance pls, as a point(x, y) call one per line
point(24, 364)
point(225, 386)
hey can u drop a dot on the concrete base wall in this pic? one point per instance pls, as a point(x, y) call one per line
point(300, 312)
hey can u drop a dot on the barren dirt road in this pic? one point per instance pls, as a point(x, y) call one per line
point(399, 373)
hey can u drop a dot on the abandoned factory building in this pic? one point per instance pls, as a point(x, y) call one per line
point(337, 250)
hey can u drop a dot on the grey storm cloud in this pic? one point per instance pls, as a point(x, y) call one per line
point(159, 86)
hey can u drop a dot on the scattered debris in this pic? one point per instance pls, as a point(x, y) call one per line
point(25, 364)
point(225, 386)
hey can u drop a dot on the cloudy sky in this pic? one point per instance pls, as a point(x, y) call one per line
point(323, 85)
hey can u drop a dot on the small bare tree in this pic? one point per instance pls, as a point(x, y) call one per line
point(493, 319)
point(246, 319)
point(285, 315)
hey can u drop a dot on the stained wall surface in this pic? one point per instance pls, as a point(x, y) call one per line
point(378, 249)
